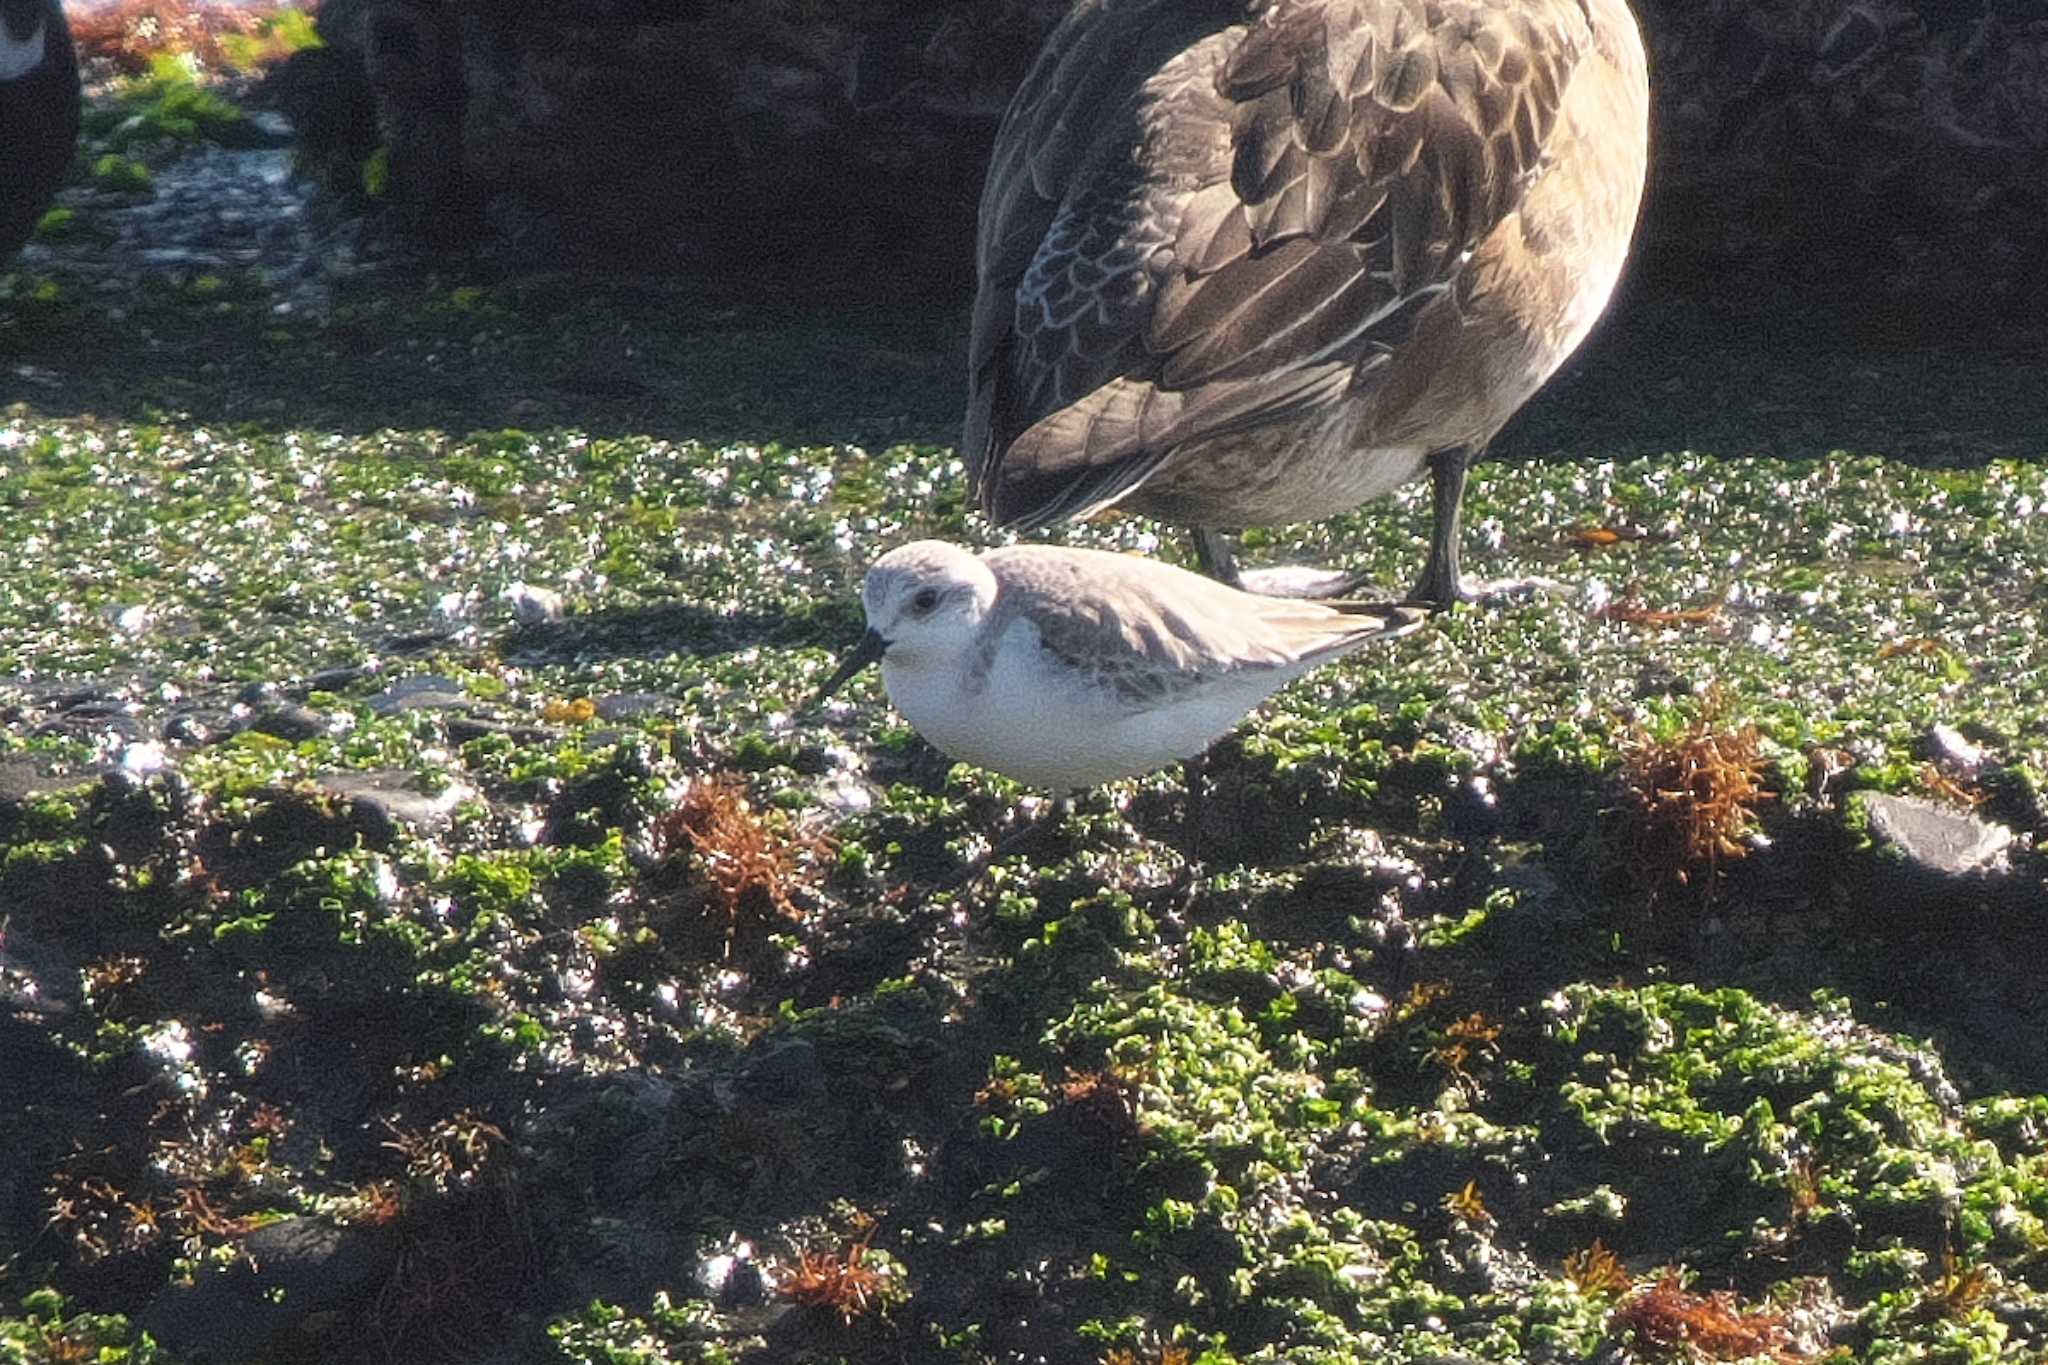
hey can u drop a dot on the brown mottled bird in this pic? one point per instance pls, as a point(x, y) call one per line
point(1246, 262)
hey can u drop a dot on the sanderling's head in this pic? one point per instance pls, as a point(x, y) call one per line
point(925, 602)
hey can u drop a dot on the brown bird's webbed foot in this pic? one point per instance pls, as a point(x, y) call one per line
point(1218, 560)
point(1441, 584)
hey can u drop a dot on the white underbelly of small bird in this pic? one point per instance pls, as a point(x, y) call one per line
point(1061, 730)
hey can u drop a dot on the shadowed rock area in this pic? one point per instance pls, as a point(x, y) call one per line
point(1825, 145)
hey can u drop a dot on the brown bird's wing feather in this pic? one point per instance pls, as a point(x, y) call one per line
point(1201, 218)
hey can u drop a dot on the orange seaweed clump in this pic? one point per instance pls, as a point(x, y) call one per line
point(750, 869)
point(1694, 798)
point(1960, 1289)
point(841, 1280)
point(1667, 1319)
point(1596, 1270)
point(1469, 1206)
point(1124, 1355)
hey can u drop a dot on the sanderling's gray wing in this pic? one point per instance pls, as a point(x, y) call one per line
point(1149, 632)
point(1200, 218)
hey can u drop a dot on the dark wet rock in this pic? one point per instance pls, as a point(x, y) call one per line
point(594, 126)
point(260, 693)
point(335, 679)
point(414, 642)
point(381, 800)
point(35, 978)
point(563, 127)
point(215, 209)
point(23, 780)
point(290, 721)
point(193, 729)
point(288, 1271)
point(91, 705)
point(783, 1075)
point(464, 728)
point(95, 726)
point(1802, 139)
point(1921, 857)
point(421, 692)
point(327, 97)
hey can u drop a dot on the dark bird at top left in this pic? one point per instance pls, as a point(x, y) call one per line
point(38, 114)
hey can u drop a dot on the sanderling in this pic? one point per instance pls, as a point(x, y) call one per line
point(1246, 265)
point(1067, 668)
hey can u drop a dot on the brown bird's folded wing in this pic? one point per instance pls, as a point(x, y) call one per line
point(1205, 217)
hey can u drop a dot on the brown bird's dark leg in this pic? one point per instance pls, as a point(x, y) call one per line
point(1217, 559)
point(1440, 585)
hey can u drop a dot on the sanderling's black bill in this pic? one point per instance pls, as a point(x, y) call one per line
point(869, 651)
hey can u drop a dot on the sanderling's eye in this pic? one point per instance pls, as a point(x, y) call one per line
point(926, 599)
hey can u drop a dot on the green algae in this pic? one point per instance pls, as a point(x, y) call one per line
point(1220, 1091)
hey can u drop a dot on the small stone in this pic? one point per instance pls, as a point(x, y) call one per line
point(463, 729)
point(624, 706)
point(382, 799)
point(1937, 838)
point(421, 692)
point(92, 705)
point(188, 729)
point(1926, 858)
point(1947, 745)
point(418, 640)
point(532, 606)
